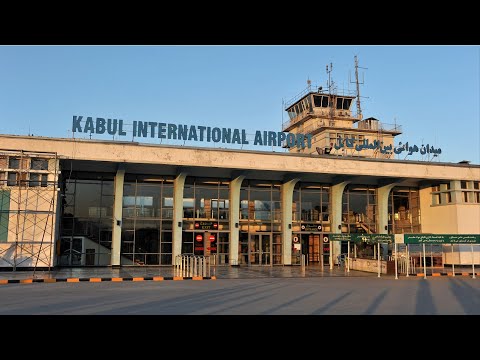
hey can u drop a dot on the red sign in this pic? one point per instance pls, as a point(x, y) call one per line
point(206, 225)
point(199, 238)
point(211, 238)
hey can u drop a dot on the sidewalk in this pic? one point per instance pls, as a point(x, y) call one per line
point(97, 274)
point(170, 273)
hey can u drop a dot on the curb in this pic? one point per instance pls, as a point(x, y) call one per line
point(448, 274)
point(104, 279)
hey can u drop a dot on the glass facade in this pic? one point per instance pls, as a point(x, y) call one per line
point(206, 213)
point(86, 223)
point(310, 220)
point(359, 209)
point(87, 201)
point(404, 211)
point(147, 221)
point(260, 223)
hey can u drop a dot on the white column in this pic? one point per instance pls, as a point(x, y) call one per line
point(287, 200)
point(234, 214)
point(336, 216)
point(382, 213)
point(117, 217)
point(178, 186)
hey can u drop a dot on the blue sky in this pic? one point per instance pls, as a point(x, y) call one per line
point(431, 91)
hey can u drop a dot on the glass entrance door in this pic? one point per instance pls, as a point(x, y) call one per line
point(314, 245)
point(260, 249)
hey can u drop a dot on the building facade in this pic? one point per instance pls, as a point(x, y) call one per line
point(78, 202)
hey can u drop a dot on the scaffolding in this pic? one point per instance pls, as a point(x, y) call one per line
point(28, 207)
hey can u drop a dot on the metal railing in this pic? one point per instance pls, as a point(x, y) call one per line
point(405, 265)
point(193, 265)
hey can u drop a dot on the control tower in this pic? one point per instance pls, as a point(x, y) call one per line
point(326, 114)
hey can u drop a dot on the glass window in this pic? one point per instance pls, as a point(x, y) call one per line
point(346, 104)
point(34, 179)
point(359, 209)
point(39, 164)
point(13, 163)
point(325, 101)
point(339, 103)
point(12, 179)
point(38, 180)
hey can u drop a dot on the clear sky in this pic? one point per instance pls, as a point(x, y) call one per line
point(431, 91)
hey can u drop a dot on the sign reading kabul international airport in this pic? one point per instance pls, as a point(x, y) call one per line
point(366, 238)
point(144, 129)
point(441, 238)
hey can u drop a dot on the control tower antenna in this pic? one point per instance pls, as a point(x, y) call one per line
point(330, 94)
point(329, 72)
point(358, 83)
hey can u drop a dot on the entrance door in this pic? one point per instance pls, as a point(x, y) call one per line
point(71, 251)
point(260, 249)
point(314, 247)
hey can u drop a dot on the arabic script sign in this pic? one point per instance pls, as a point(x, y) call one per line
point(442, 239)
point(386, 149)
point(367, 238)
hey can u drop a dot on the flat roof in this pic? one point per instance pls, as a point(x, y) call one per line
point(106, 156)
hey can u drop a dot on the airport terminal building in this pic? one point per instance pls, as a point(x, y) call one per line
point(84, 202)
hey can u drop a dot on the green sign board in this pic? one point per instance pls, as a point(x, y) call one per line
point(358, 238)
point(339, 237)
point(441, 239)
point(373, 238)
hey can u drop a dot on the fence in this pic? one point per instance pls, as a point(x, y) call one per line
point(404, 265)
point(193, 265)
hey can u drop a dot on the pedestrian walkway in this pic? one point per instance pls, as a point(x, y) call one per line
point(97, 274)
point(170, 273)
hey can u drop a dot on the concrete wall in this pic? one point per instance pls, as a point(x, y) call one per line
point(369, 265)
point(449, 218)
point(236, 159)
point(461, 255)
point(468, 218)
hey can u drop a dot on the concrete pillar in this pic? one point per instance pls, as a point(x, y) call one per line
point(382, 208)
point(287, 200)
point(382, 214)
point(234, 215)
point(117, 217)
point(178, 185)
point(456, 192)
point(336, 216)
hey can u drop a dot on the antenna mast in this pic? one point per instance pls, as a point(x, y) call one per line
point(330, 94)
point(357, 83)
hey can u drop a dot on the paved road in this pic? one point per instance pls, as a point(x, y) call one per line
point(261, 296)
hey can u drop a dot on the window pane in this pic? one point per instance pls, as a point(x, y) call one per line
point(39, 164)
